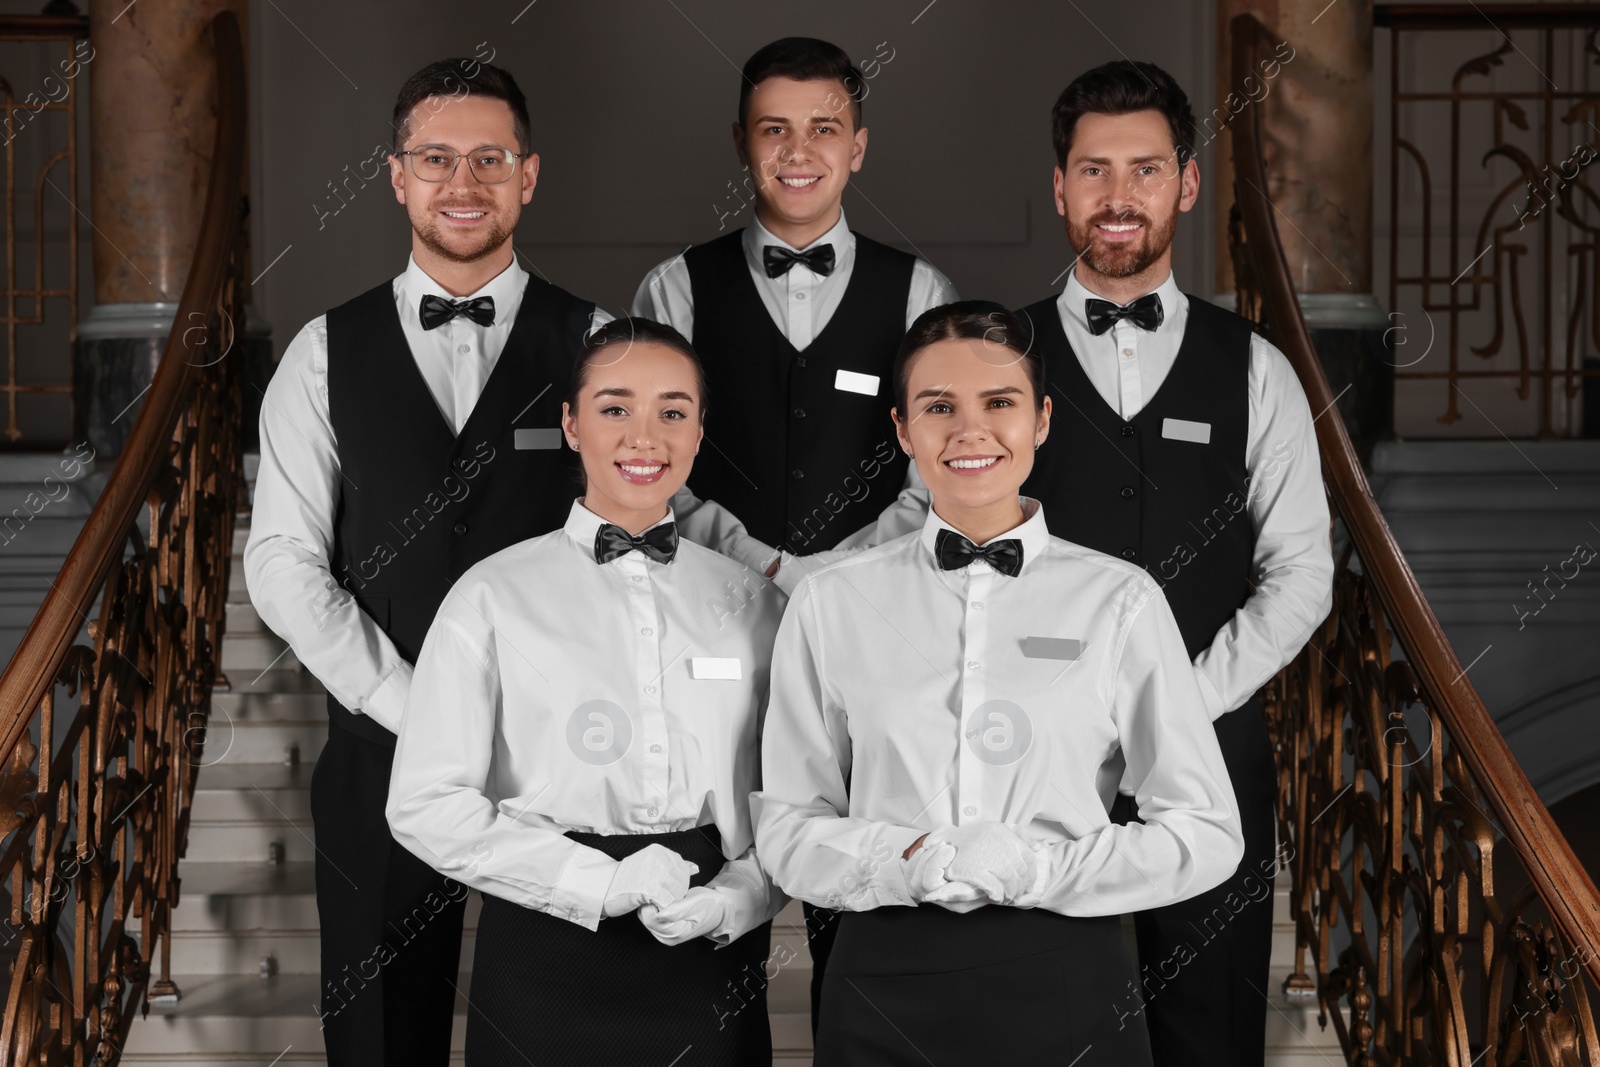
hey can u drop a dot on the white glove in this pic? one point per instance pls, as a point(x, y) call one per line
point(925, 869)
point(698, 912)
point(655, 874)
point(991, 858)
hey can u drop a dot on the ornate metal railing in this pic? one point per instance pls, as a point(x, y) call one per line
point(64, 44)
point(1443, 913)
point(95, 789)
point(1506, 265)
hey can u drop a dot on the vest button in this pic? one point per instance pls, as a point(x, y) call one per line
point(800, 361)
point(795, 536)
point(797, 473)
point(799, 413)
point(461, 464)
point(1127, 492)
point(1127, 431)
point(1128, 553)
point(460, 527)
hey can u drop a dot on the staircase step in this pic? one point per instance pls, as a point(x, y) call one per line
point(241, 792)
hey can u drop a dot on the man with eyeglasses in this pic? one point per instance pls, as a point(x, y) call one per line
point(406, 435)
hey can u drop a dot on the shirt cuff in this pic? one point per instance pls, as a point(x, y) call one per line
point(1215, 708)
point(748, 905)
point(387, 704)
point(580, 892)
point(891, 884)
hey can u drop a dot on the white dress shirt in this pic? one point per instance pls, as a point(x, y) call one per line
point(298, 486)
point(906, 697)
point(1293, 559)
point(553, 693)
point(801, 303)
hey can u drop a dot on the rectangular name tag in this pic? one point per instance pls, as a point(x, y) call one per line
point(1184, 430)
point(714, 667)
point(852, 382)
point(539, 438)
point(1051, 647)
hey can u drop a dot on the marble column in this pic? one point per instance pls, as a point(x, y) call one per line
point(152, 123)
point(1315, 100)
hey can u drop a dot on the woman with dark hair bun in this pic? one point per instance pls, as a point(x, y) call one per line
point(951, 714)
point(580, 744)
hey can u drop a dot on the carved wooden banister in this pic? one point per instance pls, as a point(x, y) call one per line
point(95, 792)
point(1394, 837)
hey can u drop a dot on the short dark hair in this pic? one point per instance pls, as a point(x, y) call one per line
point(629, 331)
point(457, 78)
point(804, 59)
point(1121, 88)
point(975, 320)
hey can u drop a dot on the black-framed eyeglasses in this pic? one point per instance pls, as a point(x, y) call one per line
point(491, 165)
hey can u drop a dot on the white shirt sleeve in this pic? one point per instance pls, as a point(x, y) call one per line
point(437, 806)
point(1190, 839)
point(665, 296)
point(808, 842)
point(929, 289)
point(1293, 560)
point(287, 559)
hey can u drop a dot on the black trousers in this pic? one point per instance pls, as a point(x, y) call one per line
point(822, 926)
point(391, 925)
point(548, 991)
point(1204, 961)
point(995, 987)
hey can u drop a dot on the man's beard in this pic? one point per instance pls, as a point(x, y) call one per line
point(431, 234)
point(1122, 260)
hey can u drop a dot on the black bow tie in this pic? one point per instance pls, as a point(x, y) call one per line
point(955, 552)
point(436, 310)
point(1145, 313)
point(779, 260)
point(659, 543)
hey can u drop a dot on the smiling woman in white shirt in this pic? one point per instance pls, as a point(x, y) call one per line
point(951, 714)
point(580, 744)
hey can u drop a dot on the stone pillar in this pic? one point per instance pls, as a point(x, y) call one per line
point(152, 123)
point(1316, 113)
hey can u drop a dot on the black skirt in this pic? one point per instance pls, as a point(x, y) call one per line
point(998, 986)
point(549, 992)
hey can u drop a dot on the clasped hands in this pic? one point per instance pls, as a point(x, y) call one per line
point(965, 867)
point(655, 882)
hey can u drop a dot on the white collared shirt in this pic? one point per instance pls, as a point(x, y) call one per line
point(800, 301)
point(553, 693)
point(1293, 560)
point(906, 697)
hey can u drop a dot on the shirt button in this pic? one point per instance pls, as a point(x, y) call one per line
point(800, 296)
point(1128, 553)
point(647, 631)
point(797, 474)
point(1127, 431)
point(464, 349)
point(1127, 351)
point(638, 577)
point(978, 604)
point(972, 664)
point(650, 812)
point(969, 810)
point(460, 527)
point(649, 689)
point(799, 413)
point(1127, 492)
point(972, 733)
point(655, 748)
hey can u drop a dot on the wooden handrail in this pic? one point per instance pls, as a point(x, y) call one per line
point(1512, 16)
point(43, 27)
point(1562, 884)
point(33, 668)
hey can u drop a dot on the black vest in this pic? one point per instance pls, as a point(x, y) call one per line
point(418, 504)
point(801, 463)
point(1177, 508)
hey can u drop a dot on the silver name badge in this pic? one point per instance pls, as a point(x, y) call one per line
point(715, 667)
point(855, 382)
point(539, 438)
point(1184, 430)
point(1051, 647)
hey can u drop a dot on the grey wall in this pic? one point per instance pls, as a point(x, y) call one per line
point(632, 103)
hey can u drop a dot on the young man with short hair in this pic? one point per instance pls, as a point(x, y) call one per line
point(406, 435)
point(798, 318)
point(1187, 448)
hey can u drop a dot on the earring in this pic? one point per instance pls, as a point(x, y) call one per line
point(1036, 445)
